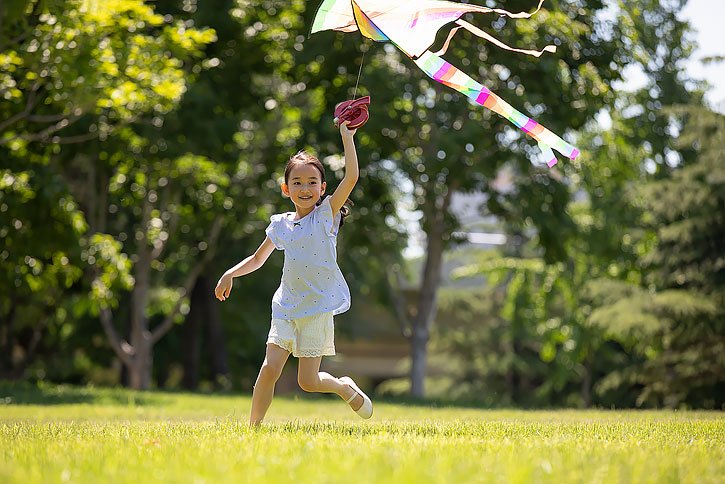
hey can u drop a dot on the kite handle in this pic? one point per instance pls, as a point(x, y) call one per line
point(354, 111)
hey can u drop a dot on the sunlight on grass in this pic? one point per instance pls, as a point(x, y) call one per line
point(88, 436)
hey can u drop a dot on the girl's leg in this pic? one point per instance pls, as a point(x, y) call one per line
point(311, 379)
point(264, 388)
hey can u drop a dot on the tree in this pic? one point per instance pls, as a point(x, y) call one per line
point(673, 321)
point(45, 253)
point(658, 42)
point(661, 150)
point(130, 71)
point(440, 148)
point(119, 71)
point(600, 234)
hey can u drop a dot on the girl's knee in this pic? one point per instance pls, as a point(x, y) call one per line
point(309, 383)
point(270, 371)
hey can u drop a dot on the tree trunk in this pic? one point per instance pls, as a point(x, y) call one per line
point(419, 356)
point(428, 295)
point(140, 373)
point(141, 339)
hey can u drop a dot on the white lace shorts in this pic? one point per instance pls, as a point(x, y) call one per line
point(307, 337)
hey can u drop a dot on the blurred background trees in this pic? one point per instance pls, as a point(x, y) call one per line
point(142, 146)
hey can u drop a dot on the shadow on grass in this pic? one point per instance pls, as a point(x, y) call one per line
point(25, 393)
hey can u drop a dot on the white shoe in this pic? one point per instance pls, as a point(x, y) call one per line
point(366, 409)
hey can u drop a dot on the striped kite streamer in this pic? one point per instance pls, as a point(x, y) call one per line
point(445, 73)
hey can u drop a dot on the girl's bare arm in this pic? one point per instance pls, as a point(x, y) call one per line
point(250, 264)
point(345, 187)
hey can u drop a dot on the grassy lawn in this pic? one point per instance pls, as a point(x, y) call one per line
point(70, 434)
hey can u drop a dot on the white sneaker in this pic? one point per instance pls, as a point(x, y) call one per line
point(366, 409)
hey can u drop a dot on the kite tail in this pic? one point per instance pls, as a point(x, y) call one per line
point(445, 73)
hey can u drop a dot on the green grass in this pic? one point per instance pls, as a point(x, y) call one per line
point(70, 434)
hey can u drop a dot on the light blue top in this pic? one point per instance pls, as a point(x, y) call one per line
point(312, 282)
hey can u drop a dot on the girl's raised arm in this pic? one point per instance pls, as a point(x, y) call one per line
point(250, 264)
point(344, 189)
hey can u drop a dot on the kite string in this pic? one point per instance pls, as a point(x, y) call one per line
point(362, 59)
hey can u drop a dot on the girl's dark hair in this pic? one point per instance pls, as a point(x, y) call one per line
point(304, 158)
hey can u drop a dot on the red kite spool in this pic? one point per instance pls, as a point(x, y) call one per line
point(354, 111)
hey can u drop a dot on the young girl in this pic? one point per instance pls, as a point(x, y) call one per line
point(312, 289)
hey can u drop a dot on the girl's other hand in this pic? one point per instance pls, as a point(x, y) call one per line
point(223, 287)
point(345, 131)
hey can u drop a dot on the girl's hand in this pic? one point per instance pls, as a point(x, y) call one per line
point(223, 287)
point(345, 131)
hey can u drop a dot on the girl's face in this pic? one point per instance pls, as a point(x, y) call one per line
point(305, 186)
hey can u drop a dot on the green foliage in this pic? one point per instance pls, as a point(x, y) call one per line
point(674, 325)
point(640, 286)
point(111, 269)
point(640, 316)
point(641, 292)
point(40, 262)
point(112, 60)
point(547, 349)
point(84, 71)
point(470, 343)
point(659, 42)
point(687, 210)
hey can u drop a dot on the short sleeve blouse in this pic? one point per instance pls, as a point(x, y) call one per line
point(312, 282)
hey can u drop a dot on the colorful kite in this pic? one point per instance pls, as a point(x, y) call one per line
point(412, 25)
